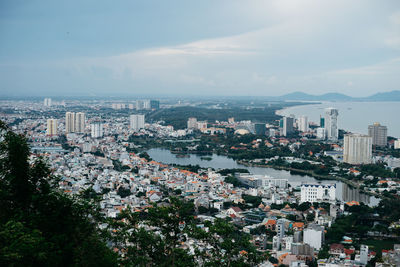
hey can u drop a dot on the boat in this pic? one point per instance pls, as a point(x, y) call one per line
point(182, 155)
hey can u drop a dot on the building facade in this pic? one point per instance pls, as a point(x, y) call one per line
point(331, 127)
point(70, 122)
point(137, 122)
point(192, 123)
point(287, 126)
point(303, 124)
point(357, 149)
point(317, 192)
point(74, 122)
point(260, 128)
point(378, 133)
point(51, 127)
point(80, 122)
point(96, 130)
point(47, 102)
point(314, 236)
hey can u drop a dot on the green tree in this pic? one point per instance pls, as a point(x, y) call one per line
point(41, 226)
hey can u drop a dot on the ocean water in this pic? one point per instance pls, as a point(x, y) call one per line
point(354, 116)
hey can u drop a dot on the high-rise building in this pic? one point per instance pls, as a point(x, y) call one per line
point(231, 120)
point(287, 126)
point(322, 122)
point(378, 133)
point(314, 235)
point(96, 130)
point(51, 127)
point(74, 122)
point(192, 123)
point(79, 122)
point(143, 104)
point(260, 128)
point(70, 122)
point(321, 133)
point(137, 122)
point(331, 127)
point(118, 106)
point(280, 228)
point(303, 124)
point(357, 149)
point(154, 104)
point(47, 102)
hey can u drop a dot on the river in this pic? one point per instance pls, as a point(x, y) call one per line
point(343, 191)
point(353, 116)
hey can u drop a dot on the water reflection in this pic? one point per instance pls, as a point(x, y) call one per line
point(343, 191)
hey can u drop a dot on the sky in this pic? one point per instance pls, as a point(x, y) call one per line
point(207, 47)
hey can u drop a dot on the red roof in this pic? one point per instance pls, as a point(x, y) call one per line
point(237, 209)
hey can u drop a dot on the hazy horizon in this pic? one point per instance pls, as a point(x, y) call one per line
point(205, 48)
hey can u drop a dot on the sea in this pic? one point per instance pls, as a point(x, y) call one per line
point(353, 116)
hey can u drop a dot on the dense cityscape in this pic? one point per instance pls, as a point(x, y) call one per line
point(227, 133)
point(340, 211)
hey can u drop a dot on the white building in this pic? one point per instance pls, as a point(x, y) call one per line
point(201, 125)
point(192, 123)
point(74, 122)
point(79, 122)
point(303, 124)
point(317, 192)
point(397, 144)
point(321, 133)
point(142, 104)
point(314, 236)
point(331, 127)
point(70, 122)
point(364, 254)
point(287, 126)
point(378, 133)
point(357, 149)
point(96, 130)
point(137, 122)
point(47, 102)
point(51, 127)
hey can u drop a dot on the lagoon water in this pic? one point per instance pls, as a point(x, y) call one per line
point(354, 116)
point(343, 192)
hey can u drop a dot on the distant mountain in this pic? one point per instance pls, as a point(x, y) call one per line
point(297, 96)
point(300, 96)
point(386, 96)
point(335, 96)
point(307, 97)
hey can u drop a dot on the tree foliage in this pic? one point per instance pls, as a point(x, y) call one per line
point(39, 225)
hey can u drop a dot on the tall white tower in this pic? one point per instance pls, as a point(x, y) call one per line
point(70, 122)
point(331, 128)
point(96, 130)
point(357, 149)
point(51, 127)
point(79, 122)
point(303, 124)
point(47, 102)
point(137, 122)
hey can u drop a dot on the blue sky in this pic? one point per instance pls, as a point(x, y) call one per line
point(73, 48)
